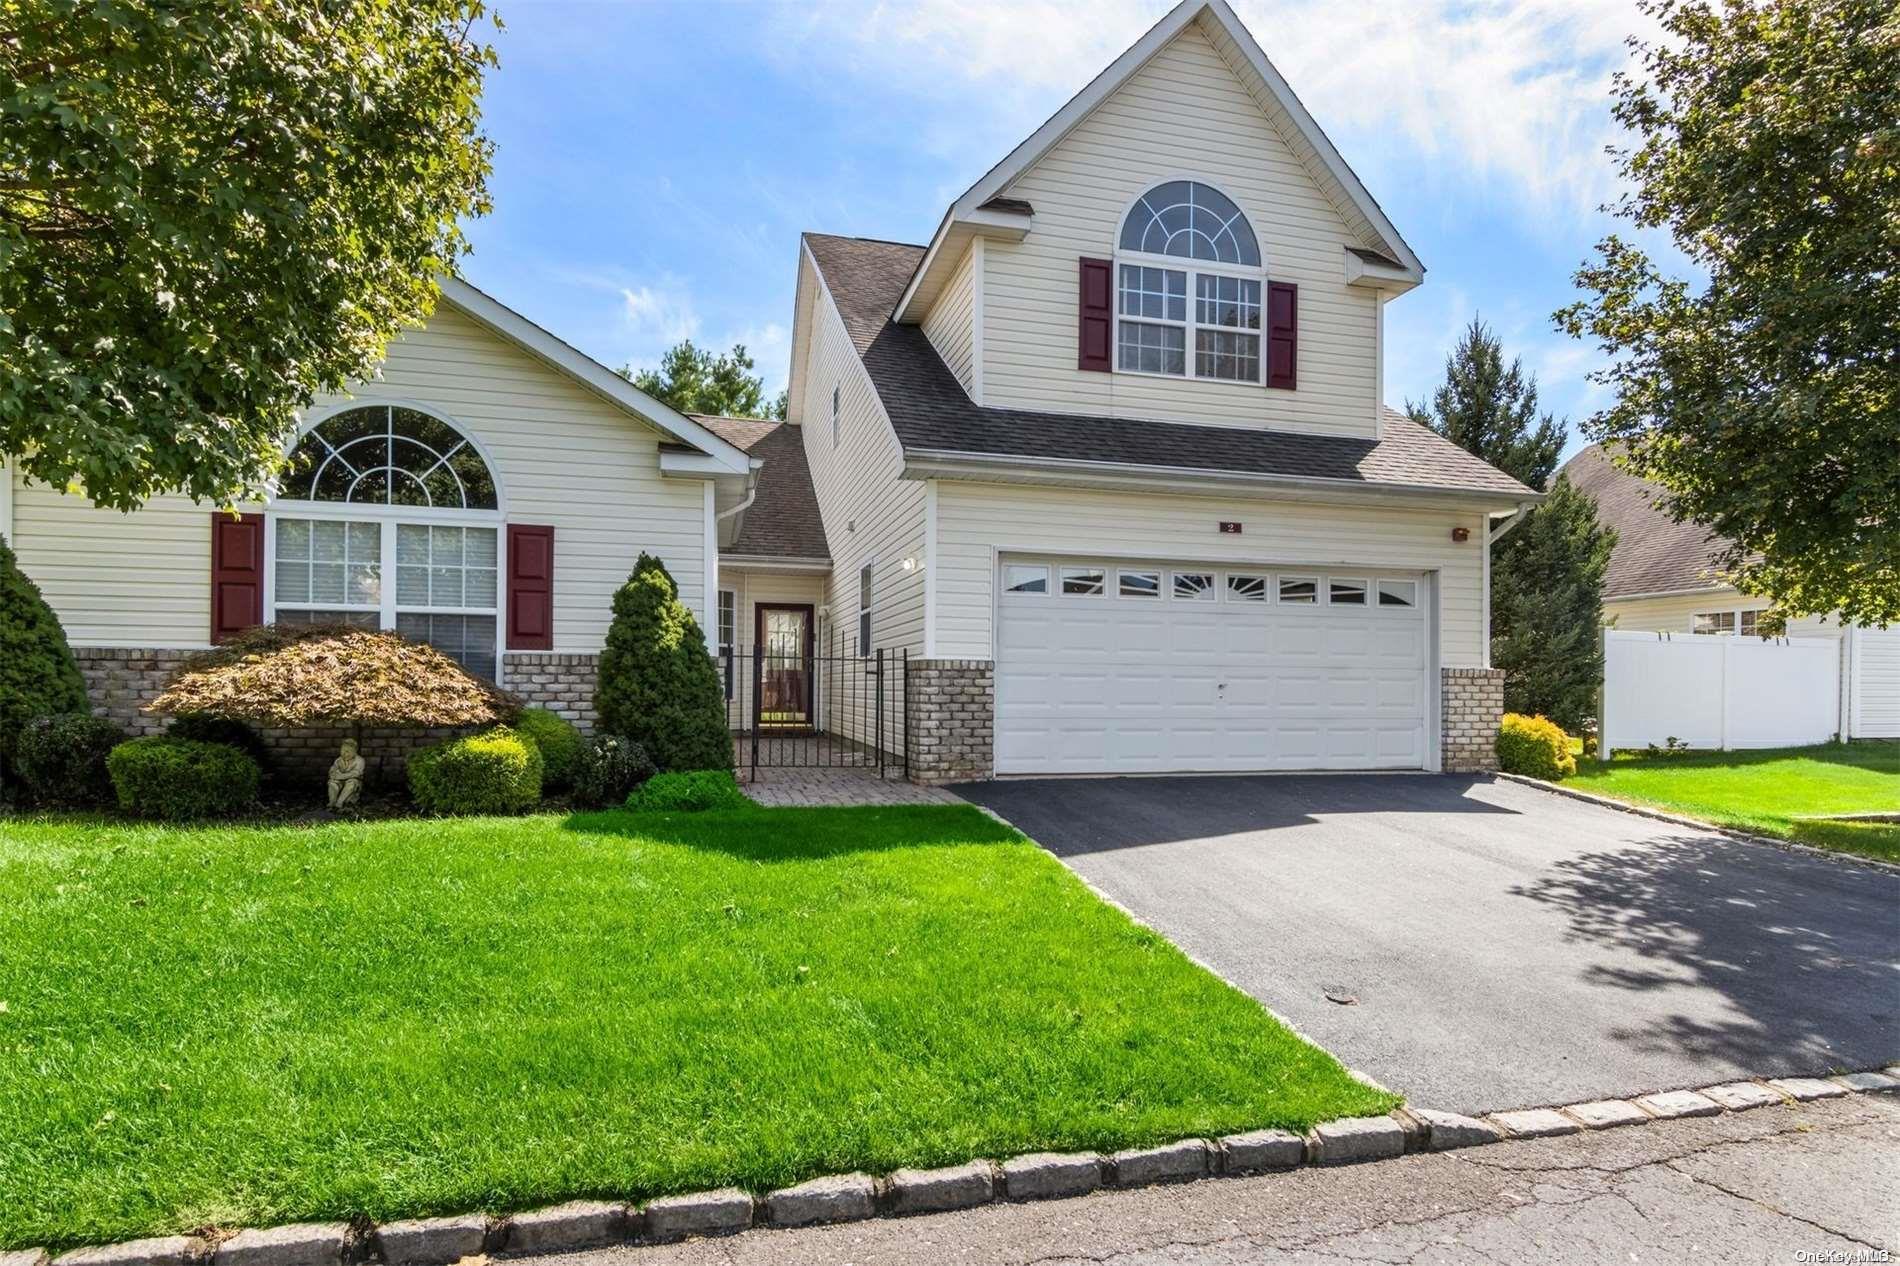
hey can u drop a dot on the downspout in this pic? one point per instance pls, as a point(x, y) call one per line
point(751, 493)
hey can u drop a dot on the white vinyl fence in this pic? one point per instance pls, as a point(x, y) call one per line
point(1719, 692)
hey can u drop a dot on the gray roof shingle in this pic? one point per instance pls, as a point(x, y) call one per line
point(782, 521)
point(930, 410)
point(1654, 553)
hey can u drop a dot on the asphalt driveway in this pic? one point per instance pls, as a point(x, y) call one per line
point(1478, 944)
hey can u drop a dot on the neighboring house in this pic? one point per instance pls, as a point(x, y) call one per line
point(1663, 577)
point(1108, 456)
point(487, 492)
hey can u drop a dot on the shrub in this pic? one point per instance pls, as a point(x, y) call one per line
point(609, 769)
point(38, 675)
point(688, 791)
point(62, 759)
point(562, 746)
point(202, 727)
point(177, 779)
point(494, 772)
point(658, 683)
point(1534, 747)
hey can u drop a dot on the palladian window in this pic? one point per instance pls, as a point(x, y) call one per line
point(1199, 318)
point(388, 519)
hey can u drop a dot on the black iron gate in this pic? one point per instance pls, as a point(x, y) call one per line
point(790, 708)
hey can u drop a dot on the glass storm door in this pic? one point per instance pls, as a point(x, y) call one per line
point(785, 688)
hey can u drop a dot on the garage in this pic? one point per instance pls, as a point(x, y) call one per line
point(1141, 667)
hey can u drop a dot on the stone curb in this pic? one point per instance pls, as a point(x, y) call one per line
point(583, 1224)
point(1677, 819)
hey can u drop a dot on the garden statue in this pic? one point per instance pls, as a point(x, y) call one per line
point(346, 777)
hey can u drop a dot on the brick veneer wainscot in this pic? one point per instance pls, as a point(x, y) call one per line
point(121, 681)
point(952, 709)
point(1472, 705)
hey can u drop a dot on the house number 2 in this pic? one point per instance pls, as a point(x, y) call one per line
point(1229, 527)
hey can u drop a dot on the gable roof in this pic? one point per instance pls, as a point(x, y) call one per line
point(1654, 554)
point(782, 521)
point(589, 373)
point(1231, 36)
point(933, 415)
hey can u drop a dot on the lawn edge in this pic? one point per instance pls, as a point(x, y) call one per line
point(589, 1224)
point(1643, 810)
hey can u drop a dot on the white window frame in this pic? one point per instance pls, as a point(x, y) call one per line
point(1734, 615)
point(1209, 594)
point(1155, 574)
point(387, 518)
point(837, 391)
point(727, 611)
point(1101, 573)
point(1282, 579)
point(1411, 598)
point(1365, 591)
point(1048, 586)
point(1192, 267)
point(1229, 594)
point(867, 600)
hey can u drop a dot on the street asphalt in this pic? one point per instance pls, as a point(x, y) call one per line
point(1817, 1182)
point(1478, 944)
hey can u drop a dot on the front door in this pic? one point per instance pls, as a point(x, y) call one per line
point(785, 686)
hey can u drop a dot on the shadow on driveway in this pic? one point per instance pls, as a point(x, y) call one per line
point(1503, 947)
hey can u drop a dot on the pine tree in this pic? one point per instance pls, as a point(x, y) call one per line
point(658, 684)
point(1547, 608)
point(38, 675)
point(1487, 409)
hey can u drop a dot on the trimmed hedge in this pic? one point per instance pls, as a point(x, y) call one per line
point(38, 675)
point(62, 759)
point(562, 747)
point(176, 779)
point(497, 771)
point(1534, 747)
point(689, 791)
point(609, 769)
point(202, 727)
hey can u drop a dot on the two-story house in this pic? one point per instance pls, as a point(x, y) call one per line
point(1108, 456)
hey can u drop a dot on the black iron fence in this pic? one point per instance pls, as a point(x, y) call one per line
point(791, 708)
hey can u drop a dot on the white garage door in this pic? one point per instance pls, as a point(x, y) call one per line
point(1146, 668)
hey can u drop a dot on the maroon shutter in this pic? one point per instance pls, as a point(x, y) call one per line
point(237, 573)
point(1283, 334)
point(530, 588)
point(1097, 320)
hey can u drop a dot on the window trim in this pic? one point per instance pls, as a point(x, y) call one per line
point(1378, 601)
point(1210, 594)
point(1192, 267)
point(1281, 580)
point(1734, 614)
point(837, 390)
point(1102, 574)
point(1228, 593)
point(1154, 573)
point(867, 602)
point(1365, 602)
point(1048, 585)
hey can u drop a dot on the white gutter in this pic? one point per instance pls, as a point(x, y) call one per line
point(1504, 529)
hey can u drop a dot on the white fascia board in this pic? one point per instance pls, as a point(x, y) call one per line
point(1383, 277)
point(588, 372)
point(770, 562)
point(802, 308)
point(1701, 591)
point(946, 249)
point(1062, 471)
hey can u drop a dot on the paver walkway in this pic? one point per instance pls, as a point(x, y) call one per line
point(783, 788)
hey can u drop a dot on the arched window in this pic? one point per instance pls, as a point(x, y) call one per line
point(390, 455)
point(389, 492)
point(1156, 324)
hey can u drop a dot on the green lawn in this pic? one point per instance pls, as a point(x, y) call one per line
point(1776, 792)
point(250, 1025)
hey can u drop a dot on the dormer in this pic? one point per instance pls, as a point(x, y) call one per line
point(1180, 242)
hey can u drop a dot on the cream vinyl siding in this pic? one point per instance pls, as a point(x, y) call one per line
point(950, 326)
point(1183, 115)
point(1675, 613)
point(562, 456)
point(975, 522)
point(140, 579)
point(749, 589)
point(870, 515)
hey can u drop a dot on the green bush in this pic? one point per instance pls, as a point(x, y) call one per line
point(688, 791)
point(38, 675)
point(1534, 747)
point(609, 769)
point(562, 746)
point(658, 683)
point(494, 772)
point(203, 727)
point(178, 779)
point(62, 759)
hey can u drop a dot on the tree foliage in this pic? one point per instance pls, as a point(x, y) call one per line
point(210, 212)
point(658, 683)
point(1490, 409)
point(695, 380)
point(297, 676)
point(38, 675)
point(1763, 392)
point(1547, 608)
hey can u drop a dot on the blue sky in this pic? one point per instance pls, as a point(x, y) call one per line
point(656, 161)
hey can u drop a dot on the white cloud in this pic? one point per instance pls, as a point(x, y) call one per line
point(661, 315)
point(1513, 91)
